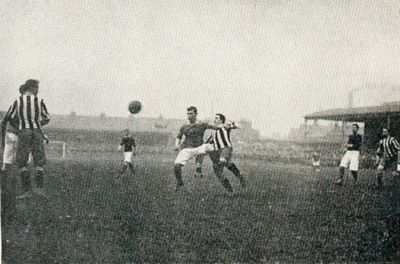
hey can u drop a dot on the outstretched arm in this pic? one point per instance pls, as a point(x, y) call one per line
point(227, 125)
point(232, 125)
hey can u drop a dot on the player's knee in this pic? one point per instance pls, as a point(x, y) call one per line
point(178, 166)
point(230, 164)
point(223, 161)
point(39, 168)
point(178, 163)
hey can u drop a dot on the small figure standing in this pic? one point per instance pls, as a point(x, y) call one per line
point(129, 147)
point(316, 161)
point(388, 155)
point(351, 157)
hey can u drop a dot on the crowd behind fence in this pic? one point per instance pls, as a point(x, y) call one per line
point(162, 143)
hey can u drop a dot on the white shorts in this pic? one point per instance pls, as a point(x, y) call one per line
point(128, 156)
point(10, 148)
point(350, 160)
point(187, 154)
point(316, 163)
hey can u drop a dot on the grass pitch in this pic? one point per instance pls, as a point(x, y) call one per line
point(287, 213)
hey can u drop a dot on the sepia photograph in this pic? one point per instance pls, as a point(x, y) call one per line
point(200, 131)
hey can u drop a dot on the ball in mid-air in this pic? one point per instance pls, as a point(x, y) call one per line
point(135, 107)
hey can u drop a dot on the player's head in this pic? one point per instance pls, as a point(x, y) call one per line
point(22, 89)
point(191, 113)
point(126, 132)
point(385, 131)
point(32, 86)
point(355, 128)
point(219, 119)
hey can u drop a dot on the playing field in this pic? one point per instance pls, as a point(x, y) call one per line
point(287, 213)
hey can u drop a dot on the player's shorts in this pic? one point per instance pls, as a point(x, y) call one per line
point(187, 154)
point(128, 156)
point(30, 141)
point(316, 163)
point(10, 148)
point(389, 164)
point(350, 160)
point(221, 154)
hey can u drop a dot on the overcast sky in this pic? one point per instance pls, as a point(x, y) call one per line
point(270, 61)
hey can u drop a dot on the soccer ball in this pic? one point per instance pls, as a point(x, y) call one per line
point(135, 107)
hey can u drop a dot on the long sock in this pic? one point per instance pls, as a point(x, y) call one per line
point(341, 173)
point(178, 174)
point(379, 177)
point(123, 169)
point(227, 185)
point(355, 176)
point(25, 180)
point(39, 178)
point(232, 167)
point(131, 168)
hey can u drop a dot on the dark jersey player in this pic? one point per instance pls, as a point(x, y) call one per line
point(191, 136)
point(189, 141)
point(351, 157)
point(128, 145)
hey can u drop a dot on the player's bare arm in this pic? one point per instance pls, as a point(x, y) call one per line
point(178, 143)
point(228, 125)
point(3, 132)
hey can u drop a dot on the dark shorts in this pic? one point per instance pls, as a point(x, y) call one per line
point(30, 141)
point(224, 153)
point(390, 164)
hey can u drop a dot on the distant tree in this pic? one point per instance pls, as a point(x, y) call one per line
point(102, 115)
point(72, 113)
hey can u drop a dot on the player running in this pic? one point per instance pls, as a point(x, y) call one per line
point(222, 155)
point(388, 155)
point(351, 157)
point(129, 147)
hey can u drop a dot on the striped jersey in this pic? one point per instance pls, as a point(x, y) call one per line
point(221, 138)
point(28, 112)
point(389, 147)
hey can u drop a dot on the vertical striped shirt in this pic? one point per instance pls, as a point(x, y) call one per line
point(389, 147)
point(28, 112)
point(221, 138)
